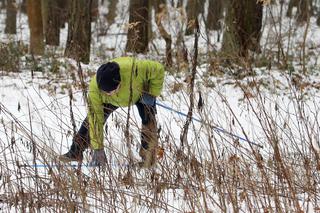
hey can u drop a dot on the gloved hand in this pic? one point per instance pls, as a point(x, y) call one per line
point(148, 99)
point(99, 158)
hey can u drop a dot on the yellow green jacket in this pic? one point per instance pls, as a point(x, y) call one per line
point(142, 72)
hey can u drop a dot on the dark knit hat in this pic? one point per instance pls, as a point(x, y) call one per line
point(108, 76)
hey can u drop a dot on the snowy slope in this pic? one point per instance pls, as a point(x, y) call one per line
point(273, 107)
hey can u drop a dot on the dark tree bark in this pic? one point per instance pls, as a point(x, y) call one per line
point(304, 9)
point(181, 51)
point(292, 4)
point(160, 11)
point(51, 21)
point(94, 10)
point(3, 4)
point(63, 6)
point(79, 31)
point(11, 19)
point(215, 14)
point(112, 8)
point(23, 6)
point(35, 25)
point(243, 31)
point(193, 9)
point(138, 32)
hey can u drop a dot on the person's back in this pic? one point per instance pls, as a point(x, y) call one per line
point(135, 76)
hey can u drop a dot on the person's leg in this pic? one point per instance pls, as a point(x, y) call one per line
point(108, 109)
point(149, 137)
point(81, 140)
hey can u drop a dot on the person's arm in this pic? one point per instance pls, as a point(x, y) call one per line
point(96, 116)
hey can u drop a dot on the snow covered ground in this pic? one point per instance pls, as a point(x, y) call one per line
point(216, 173)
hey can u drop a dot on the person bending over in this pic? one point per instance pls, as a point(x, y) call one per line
point(121, 82)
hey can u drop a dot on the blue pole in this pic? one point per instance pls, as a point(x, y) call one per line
point(218, 129)
point(65, 165)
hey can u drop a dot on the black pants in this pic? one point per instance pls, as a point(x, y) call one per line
point(146, 113)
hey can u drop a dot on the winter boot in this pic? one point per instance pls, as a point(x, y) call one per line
point(149, 145)
point(75, 153)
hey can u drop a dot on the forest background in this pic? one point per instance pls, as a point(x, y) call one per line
point(238, 117)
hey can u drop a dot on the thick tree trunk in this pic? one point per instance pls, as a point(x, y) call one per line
point(138, 32)
point(215, 14)
point(35, 25)
point(51, 21)
point(79, 31)
point(64, 8)
point(11, 19)
point(243, 31)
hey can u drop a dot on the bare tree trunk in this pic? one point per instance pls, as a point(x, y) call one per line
point(64, 8)
point(191, 12)
point(112, 8)
point(79, 31)
point(138, 32)
point(11, 19)
point(94, 10)
point(181, 49)
point(35, 25)
point(3, 4)
point(243, 31)
point(304, 9)
point(23, 6)
point(292, 4)
point(161, 11)
point(193, 9)
point(318, 20)
point(215, 14)
point(51, 21)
